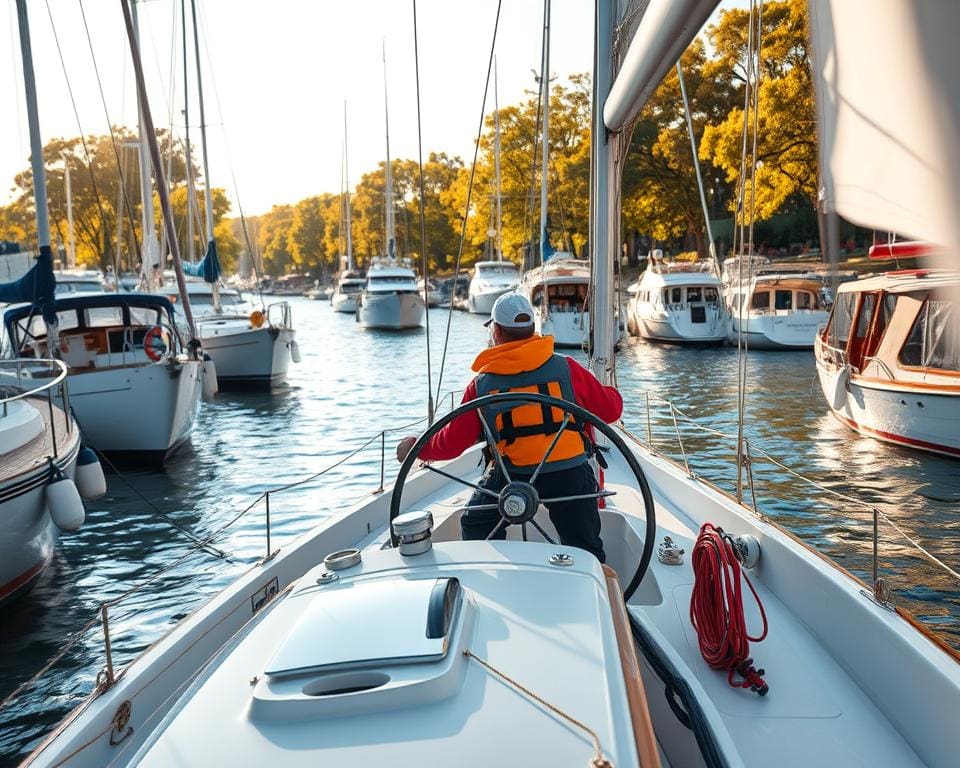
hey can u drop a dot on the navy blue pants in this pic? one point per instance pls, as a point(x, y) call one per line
point(577, 522)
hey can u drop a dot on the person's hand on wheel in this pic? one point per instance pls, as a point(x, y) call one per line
point(404, 446)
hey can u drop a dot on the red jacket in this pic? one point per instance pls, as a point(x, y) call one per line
point(518, 357)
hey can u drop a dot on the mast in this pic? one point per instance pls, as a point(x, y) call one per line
point(346, 176)
point(496, 161)
point(545, 150)
point(71, 242)
point(605, 215)
point(158, 165)
point(186, 136)
point(151, 245)
point(388, 176)
point(207, 192)
point(39, 172)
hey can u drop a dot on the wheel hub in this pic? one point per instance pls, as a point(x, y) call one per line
point(518, 502)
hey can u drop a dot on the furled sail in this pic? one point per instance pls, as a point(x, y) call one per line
point(208, 267)
point(36, 287)
point(888, 111)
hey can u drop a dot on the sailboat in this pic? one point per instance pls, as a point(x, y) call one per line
point(135, 385)
point(350, 281)
point(43, 469)
point(582, 663)
point(491, 279)
point(390, 299)
point(250, 347)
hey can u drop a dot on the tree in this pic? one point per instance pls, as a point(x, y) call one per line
point(273, 239)
point(786, 129)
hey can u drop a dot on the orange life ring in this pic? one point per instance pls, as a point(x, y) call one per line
point(153, 343)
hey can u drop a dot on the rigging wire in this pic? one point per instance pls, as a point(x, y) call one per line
point(466, 209)
point(423, 221)
point(226, 147)
point(113, 140)
point(76, 114)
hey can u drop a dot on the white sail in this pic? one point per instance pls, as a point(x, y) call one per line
point(888, 111)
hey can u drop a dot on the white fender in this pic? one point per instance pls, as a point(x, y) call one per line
point(64, 504)
point(294, 351)
point(210, 384)
point(89, 478)
point(838, 397)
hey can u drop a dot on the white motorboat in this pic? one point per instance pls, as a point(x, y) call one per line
point(558, 291)
point(431, 292)
point(80, 281)
point(488, 282)
point(889, 358)
point(347, 292)
point(678, 303)
point(770, 308)
point(39, 445)
point(133, 388)
point(250, 346)
point(390, 299)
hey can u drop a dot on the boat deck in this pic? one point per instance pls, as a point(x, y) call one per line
point(28, 457)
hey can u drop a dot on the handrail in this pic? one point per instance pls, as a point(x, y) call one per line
point(875, 511)
point(21, 363)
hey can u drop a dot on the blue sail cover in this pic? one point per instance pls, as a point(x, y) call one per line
point(36, 287)
point(546, 250)
point(208, 268)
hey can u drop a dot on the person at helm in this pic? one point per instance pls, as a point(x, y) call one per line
point(520, 360)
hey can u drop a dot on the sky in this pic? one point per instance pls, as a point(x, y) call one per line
point(276, 76)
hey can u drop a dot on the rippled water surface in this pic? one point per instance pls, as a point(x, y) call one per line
point(350, 385)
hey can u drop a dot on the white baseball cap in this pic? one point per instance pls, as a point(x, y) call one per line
point(511, 310)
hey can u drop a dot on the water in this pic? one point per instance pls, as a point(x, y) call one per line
point(349, 386)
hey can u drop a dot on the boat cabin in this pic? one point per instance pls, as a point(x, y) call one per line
point(900, 325)
point(96, 331)
point(781, 296)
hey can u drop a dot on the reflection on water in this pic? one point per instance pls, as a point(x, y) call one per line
point(350, 385)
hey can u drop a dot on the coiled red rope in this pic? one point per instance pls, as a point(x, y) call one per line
point(716, 610)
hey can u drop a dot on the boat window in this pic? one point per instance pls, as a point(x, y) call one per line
point(783, 300)
point(934, 340)
point(230, 299)
point(804, 300)
point(842, 319)
point(867, 306)
point(351, 288)
point(760, 300)
point(505, 269)
point(694, 294)
point(566, 298)
point(676, 296)
point(144, 316)
point(382, 280)
point(34, 326)
point(101, 317)
point(710, 295)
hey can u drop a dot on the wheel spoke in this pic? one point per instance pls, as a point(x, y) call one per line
point(523, 531)
point(460, 480)
point(553, 444)
point(480, 506)
point(598, 495)
point(493, 533)
point(493, 446)
point(543, 533)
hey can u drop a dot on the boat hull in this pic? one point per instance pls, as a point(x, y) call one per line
point(482, 303)
point(248, 357)
point(784, 330)
point(344, 302)
point(678, 327)
point(893, 412)
point(569, 329)
point(31, 535)
point(391, 311)
point(138, 413)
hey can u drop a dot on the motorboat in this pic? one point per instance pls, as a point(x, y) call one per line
point(431, 291)
point(558, 292)
point(135, 388)
point(345, 296)
point(678, 303)
point(250, 346)
point(488, 282)
point(889, 357)
point(80, 281)
point(390, 298)
point(771, 308)
point(39, 448)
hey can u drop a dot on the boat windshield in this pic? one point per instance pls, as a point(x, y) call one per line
point(498, 269)
point(934, 340)
point(392, 279)
point(206, 299)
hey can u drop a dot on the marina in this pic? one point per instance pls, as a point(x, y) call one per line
point(622, 509)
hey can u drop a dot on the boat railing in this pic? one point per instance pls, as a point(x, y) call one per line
point(661, 414)
point(881, 365)
point(18, 381)
point(105, 618)
point(279, 315)
point(830, 354)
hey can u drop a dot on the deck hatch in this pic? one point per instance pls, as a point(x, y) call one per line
point(346, 627)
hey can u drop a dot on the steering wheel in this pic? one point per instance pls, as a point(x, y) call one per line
point(518, 502)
